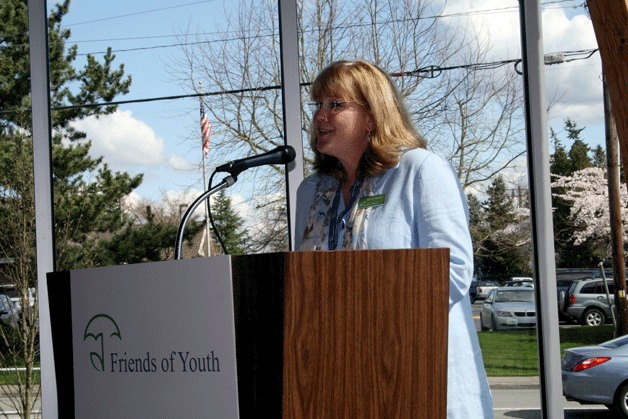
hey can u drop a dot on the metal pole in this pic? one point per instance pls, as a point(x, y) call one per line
point(42, 171)
point(291, 95)
point(608, 297)
point(541, 209)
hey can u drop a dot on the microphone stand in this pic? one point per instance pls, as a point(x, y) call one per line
point(225, 183)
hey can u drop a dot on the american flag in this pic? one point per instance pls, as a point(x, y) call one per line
point(206, 129)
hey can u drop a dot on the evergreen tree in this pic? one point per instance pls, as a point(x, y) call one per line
point(599, 157)
point(475, 210)
point(476, 228)
point(566, 163)
point(573, 132)
point(86, 192)
point(560, 165)
point(501, 252)
point(499, 206)
point(579, 156)
point(144, 241)
point(559, 160)
point(229, 225)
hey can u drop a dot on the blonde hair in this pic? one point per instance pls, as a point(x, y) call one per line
point(393, 132)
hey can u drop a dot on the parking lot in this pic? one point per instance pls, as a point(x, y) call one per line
point(475, 308)
point(519, 397)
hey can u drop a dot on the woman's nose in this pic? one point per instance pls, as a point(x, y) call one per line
point(321, 115)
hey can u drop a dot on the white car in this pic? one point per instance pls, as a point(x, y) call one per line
point(484, 287)
point(9, 314)
point(520, 281)
point(14, 295)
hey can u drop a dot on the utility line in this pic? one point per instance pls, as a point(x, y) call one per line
point(135, 38)
point(234, 38)
point(355, 25)
point(431, 71)
point(136, 13)
point(208, 1)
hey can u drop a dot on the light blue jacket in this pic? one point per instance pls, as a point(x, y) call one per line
point(425, 207)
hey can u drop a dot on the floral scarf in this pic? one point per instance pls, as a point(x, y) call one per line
point(316, 234)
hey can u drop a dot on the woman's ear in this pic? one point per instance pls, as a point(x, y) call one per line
point(370, 123)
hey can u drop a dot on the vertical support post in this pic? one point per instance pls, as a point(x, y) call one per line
point(610, 18)
point(541, 209)
point(42, 159)
point(617, 230)
point(291, 95)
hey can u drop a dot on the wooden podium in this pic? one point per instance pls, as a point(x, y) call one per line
point(324, 334)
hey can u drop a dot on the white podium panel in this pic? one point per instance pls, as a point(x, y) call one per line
point(148, 341)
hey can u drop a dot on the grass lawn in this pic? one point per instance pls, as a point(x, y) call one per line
point(506, 353)
point(515, 353)
point(10, 377)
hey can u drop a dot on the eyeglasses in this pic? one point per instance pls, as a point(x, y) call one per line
point(330, 105)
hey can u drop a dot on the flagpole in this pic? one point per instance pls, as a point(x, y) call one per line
point(204, 157)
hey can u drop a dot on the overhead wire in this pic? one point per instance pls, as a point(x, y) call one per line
point(137, 13)
point(355, 25)
point(232, 38)
point(431, 71)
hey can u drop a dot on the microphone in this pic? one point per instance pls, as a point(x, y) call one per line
point(281, 155)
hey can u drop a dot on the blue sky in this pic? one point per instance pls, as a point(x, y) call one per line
point(154, 138)
point(162, 139)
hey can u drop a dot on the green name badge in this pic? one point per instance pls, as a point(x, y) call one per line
point(371, 201)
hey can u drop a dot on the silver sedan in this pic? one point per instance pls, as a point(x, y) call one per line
point(508, 308)
point(598, 374)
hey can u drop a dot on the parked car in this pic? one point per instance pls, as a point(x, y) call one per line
point(562, 286)
point(473, 291)
point(598, 374)
point(508, 308)
point(9, 314)
point(14, 295)
point(484, 287)
point(587, 303)
point(519, 281)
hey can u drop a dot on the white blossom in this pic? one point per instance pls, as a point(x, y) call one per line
point(587, 190)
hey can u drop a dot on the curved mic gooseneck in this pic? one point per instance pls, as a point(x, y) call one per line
point(225, 183)
point(280, 155)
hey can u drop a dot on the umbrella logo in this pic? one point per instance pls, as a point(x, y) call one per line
point(99, 327)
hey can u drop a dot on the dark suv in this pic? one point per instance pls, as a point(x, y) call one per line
point(587, 302)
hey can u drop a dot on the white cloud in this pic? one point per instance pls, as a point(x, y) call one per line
point(573, 89)
point(131, 200)
point(494, 22)
point(122, 140)
point(515, 176)
point(576, 85)
point(187, 195)
point(179, 163)
point(241, 206)
point(564, 33)
point(497, 22)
